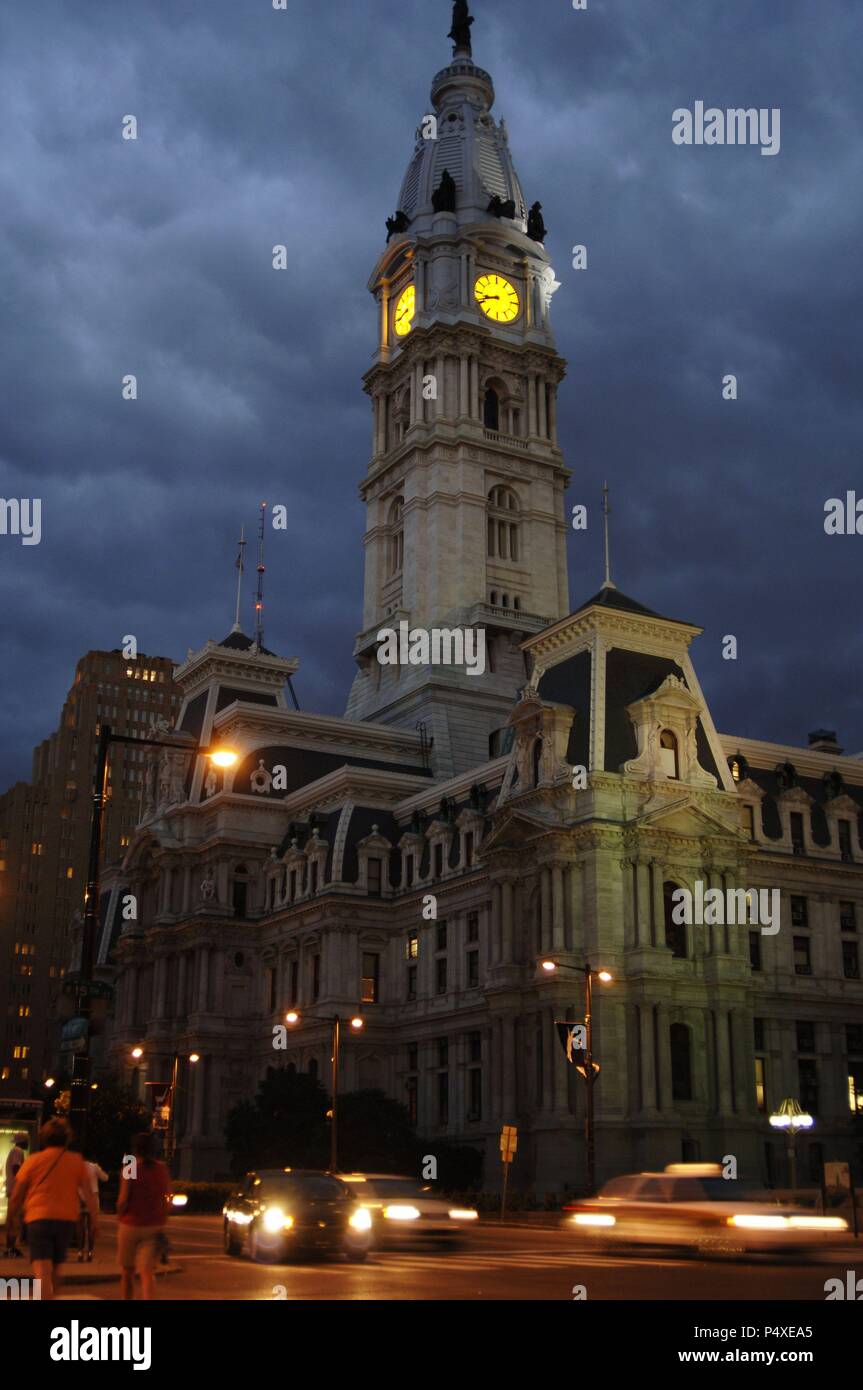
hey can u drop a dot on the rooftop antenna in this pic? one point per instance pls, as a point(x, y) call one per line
point(241, 566)
point(606, 513)
point(259, 596)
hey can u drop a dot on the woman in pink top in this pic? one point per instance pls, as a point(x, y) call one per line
point(142, 1213)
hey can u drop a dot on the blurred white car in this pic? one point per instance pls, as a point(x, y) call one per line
point(691, 1206)
point(405, 1211)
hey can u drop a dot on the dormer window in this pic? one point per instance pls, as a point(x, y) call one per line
point(668, 754)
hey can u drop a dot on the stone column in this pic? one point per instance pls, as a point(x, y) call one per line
point(541, 401)
point(549, 1059)
point(552, 414)
point(506, 903)
point(557, 935)
point(531, 404)
point(648, 1060)
point(643, 907)
point(658, 932)
point(203, 978)
point(161, 986)
point(664, 1059)
point(132, 1009)
point(440, 375)
point(723, 1063)
point(509, 1086)
point(198, 1075)
point(576, 933)
point(385, 314)
point(545, 908)
point(496, 926)
point(180, 1002)
point(464, 386)
point(419, 373)
point(474, 388)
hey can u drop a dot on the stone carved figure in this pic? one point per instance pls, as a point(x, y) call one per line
point(261, 780)
point(536, 228)
point(443, 198)
point(208, 889)
point(397, 224)
point(211, 783)
point(498, 208)
point(461, 22)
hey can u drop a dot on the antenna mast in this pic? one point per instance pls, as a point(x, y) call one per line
point(606, 512)
point(259, 596)
point(241, 566)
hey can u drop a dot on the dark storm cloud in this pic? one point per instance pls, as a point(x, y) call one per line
point(259, 127)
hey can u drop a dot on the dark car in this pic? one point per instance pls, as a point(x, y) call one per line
point(281, 1212)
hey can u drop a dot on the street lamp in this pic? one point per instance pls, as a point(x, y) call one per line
point(79, 1104)
point(590, 1069)
point(170, 1133)
point(791, 1117)
point(357, 1023)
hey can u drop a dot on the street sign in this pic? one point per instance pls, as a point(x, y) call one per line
point(572, 1038)
point(508, 1143)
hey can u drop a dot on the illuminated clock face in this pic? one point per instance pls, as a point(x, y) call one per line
point(405, 310)
point(497, 298)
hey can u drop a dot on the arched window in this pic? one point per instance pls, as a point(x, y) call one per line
point(537, 761)
point(504, 603)
point(668, 754)
point(675, 932)
point(396, 538)
point(516, 603)
point(240, 891)
point(681, 1062)
point(503, 525)
point(491, 409)
point(494, 597)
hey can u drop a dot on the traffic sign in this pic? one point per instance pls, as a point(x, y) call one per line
point(508, 1143)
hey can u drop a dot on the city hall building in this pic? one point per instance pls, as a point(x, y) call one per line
point(418, 858)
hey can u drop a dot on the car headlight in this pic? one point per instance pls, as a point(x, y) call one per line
point(818, 1223)
point(594, 1218)
point(277, 1220)
point(179, 1199)
point(463, 1214)
point(399, 1212)
point(759, 1223)
point(361, 1220)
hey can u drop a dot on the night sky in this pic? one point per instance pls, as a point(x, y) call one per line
point(259, 127)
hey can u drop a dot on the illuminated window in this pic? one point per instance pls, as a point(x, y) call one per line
point(4, 1075)
point(370, 983)
point(855, 1088)
point(70, 872)
point(747, 815)
point(21, 1051)
point(412, 946)
point(735, 769)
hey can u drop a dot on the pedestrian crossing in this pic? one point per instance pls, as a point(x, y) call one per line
point(467, 1262)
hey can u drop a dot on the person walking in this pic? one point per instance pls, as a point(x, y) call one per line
point(14, 1161)
point(95, 1175)
point(47, 1193)
point(142, 1214)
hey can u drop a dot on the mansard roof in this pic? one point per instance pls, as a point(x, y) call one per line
point(237, 641)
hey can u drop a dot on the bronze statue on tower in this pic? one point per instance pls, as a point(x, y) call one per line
point(461, 22)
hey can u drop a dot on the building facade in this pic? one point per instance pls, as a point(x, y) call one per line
point(418, 858)
point(44, 843)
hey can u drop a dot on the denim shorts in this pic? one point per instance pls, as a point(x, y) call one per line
point(49, 1240)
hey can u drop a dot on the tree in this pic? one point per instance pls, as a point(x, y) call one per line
point(285, 1126)
point(115, 1116)
point(376, 1135)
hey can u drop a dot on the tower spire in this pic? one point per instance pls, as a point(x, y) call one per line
point(259, 596)
point(606, 513)
point(241, 566)
point(460, 31)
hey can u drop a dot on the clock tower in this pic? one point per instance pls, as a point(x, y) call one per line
point(465, 489)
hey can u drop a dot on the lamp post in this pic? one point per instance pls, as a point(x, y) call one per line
point(357, 1023)
point(79, 1106)
point(791, 1117)
point(590, 1069)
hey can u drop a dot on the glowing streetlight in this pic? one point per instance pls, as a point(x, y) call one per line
point(223, 757)
point(49, 1082)
point(292, 1017)
point(590, 1069)
point(791, 1117)
point(357, 1023)
point(137, 1053)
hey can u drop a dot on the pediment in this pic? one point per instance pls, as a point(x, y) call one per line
point(684, 816)
point(512, 830)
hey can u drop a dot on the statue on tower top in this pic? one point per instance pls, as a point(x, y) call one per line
point(461, 22)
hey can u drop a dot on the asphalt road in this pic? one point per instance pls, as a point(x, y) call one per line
point(496, 1263)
